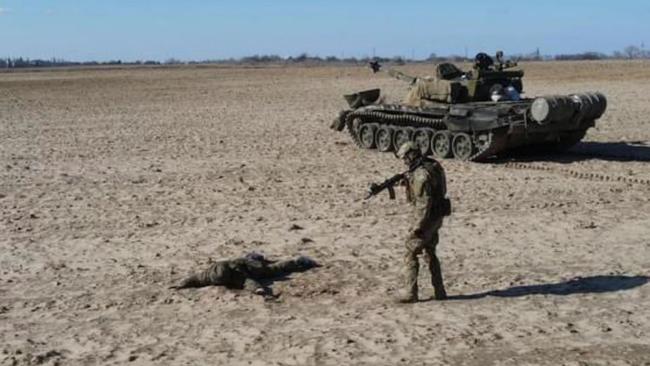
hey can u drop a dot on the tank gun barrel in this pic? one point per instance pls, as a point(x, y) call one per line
point(376, 67)
point(402, 76)
point(506, 65)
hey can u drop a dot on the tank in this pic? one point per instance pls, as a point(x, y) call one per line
point(469, 115)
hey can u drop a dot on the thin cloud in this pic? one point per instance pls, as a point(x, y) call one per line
point(4, 11)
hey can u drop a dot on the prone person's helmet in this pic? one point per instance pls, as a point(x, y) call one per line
point(255, 256)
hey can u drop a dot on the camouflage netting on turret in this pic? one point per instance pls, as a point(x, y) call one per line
point(431, 89)
point(440, 88)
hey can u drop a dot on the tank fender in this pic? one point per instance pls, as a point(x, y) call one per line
point(474, 120)
point(458, 112)
point(362, 98)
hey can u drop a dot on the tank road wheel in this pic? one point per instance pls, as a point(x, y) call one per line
point(462, 146)
point(441, 145)
point(355, 125)
point(384, 139)
point(367, 135)
point(400, 136)
point(422, 138)
point(483, 141)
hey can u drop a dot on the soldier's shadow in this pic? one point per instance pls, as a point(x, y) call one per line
point(579, 285)
point(636, 151)
point(268, 282)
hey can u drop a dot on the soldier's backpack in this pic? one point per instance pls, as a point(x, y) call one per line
point(443, 207)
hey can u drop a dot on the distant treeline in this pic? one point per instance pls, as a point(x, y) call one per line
point(20, 62)
point(628, 53)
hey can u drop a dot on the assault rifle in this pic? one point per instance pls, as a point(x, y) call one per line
point(389, 183)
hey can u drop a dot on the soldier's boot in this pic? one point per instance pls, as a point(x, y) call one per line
point(406, 297)
point(436, 277)
point(410, 291)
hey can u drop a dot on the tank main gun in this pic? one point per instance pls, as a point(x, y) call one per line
point(375, 66)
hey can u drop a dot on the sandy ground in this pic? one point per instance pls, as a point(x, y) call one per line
point(114, 184)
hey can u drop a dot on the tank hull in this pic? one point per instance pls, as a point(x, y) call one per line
point(472, 131)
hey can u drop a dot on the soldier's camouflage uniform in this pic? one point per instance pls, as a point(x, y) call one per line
point(426, 190)
point(246, 273)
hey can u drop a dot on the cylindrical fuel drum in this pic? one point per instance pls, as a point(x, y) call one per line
point(590, 105)
point(552, 108)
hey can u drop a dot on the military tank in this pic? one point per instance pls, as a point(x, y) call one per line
point(469, 115)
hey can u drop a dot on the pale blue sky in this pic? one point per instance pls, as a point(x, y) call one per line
point(196, 29)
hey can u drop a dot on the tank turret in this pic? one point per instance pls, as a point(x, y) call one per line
point(484, 82)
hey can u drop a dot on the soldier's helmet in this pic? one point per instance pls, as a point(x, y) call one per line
point(406, 148)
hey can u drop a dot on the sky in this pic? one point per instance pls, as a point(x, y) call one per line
point(202, 29)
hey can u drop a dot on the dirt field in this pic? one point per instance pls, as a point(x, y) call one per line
point(116, 183)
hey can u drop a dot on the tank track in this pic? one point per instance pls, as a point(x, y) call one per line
point(579, 175)
point(404, 120)
point(497, 138)
point(382, 117)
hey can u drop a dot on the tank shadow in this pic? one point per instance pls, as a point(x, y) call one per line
point(579, 285)
point(609, 151)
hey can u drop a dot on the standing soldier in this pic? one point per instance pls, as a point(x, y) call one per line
point(426, 190)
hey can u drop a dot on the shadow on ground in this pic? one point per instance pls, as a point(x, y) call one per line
point(580, 285)
point(610, 151)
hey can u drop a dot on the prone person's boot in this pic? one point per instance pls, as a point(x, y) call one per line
point(193, 280)
point(217, 274)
